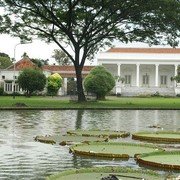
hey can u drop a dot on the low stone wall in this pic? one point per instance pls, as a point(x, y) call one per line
point(145, 91)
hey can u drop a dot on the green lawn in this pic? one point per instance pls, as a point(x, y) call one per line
point(110, 102)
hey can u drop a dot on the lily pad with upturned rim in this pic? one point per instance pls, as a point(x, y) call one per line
point(159, 136)
point(113, 149)
point(99, 133)
point(163, 160)
point(97, 173)
point(68, 139)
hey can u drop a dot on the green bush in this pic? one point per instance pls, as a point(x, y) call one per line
point(71, 86)
point(1, 91)
point(31, 80)
point(99, 82)
point(54, 83)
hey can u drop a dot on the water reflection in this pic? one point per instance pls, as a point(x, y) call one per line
point(22, 158)
point(79, 118)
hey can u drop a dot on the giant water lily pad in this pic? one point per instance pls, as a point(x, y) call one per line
point(99, 173)
point(165, 160)
point(159, 136)
point(99, 133)
point(67, 139)
point(112, 150)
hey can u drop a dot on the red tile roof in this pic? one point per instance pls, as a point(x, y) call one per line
point(64, 68)
point(23, 63)
point(145, 50)
point(64, 71)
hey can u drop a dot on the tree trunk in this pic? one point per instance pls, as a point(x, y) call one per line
point(80, 91)
point(100, 97)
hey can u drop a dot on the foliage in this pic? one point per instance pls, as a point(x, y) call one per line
point(87, 26)
point(54, 83)
point(99, 133)
point(99, 81)
point(113, 149)
point(176, 78)
point(38, 62)
point(1, 91)
point(4, 54)
point(5, 62)
point(31, 80)
point(120, 79)
point(102, 172)
point(71, 86)
point(68, 139)
point(61, 58)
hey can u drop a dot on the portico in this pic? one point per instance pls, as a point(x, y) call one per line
point(142, 70)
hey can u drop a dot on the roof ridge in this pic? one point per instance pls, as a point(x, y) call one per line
point(144, 50)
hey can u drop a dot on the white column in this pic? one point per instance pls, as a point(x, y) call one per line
point(175, 70)
point(65, 86)
point(175, 73)
point(157, 75)
point(118, 83)
point(137, 75)
point(119, 69)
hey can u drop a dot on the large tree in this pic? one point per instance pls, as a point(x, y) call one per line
point(87, 25)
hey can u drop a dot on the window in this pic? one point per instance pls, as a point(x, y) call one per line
point(127, 79)
point(8, 87)
point(163, 80)
point(3, 77)
point(145, 79)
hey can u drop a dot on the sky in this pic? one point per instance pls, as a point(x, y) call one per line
point(42, 50)
point(36, 49)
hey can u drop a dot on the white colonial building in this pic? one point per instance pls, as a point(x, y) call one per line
point(142, 71)
point(9, 76)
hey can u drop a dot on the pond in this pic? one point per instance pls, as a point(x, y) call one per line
point(23, 158)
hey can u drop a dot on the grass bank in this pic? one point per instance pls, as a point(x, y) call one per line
point(110, 103)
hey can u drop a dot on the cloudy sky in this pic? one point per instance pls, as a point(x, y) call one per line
point(36, 49)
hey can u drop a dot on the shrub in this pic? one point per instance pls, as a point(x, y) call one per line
point(99, 81)
point(1, 91)
point(31, 80)
point(54, 83)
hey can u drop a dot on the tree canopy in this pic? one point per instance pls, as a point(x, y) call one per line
point(99, 81)
point(31, 80)
point(5, 60)
point(38, 62)
point(87, 26)
point(61, 57)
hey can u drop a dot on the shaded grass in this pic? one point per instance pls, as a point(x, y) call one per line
point(110, 102)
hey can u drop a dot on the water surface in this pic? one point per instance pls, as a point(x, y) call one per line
point(23, 158)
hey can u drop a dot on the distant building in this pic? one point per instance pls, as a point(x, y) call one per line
point(7, 76)
point(142, 71)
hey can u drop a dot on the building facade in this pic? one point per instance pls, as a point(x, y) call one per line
point(142, 71)
point(9, 76)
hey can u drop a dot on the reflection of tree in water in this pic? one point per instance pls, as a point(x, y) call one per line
point(27, 117)
point(79, 117)
point(23, 122)
point(100, 119)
